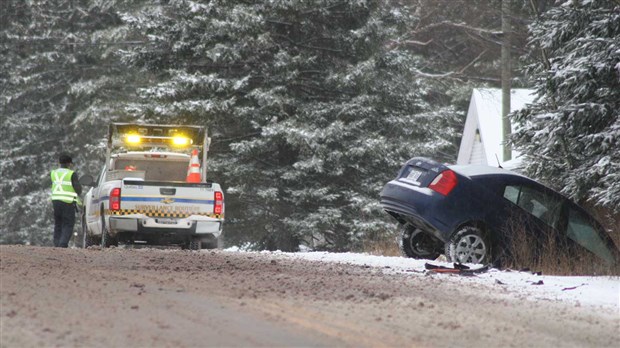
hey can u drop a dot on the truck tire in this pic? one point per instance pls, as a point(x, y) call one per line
point(106, 239)
point(212, 242)
point(195, 244)
point(87, 239)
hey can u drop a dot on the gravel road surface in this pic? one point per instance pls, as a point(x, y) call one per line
point(175, 298)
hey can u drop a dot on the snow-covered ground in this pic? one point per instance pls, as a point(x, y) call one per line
point(600, 291)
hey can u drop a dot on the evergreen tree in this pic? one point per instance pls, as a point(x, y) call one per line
point(571, 135)
point(60, 79)
point(311, 109)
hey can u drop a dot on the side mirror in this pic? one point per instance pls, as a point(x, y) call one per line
point(87, 180)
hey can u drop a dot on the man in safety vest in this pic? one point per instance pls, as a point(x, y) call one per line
point(65, 195)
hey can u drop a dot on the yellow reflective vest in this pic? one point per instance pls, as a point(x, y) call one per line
point(62, 188)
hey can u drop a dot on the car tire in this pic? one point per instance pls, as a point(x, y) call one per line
point(468, 245)
point(417, 244)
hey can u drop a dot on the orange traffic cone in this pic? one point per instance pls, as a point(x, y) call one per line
point(193, 171)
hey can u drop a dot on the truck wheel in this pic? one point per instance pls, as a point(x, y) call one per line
point(106, 240)
point(212, 242)
point(195, 244)
point(87, 239)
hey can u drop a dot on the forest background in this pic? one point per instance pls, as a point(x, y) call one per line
point(312, 105)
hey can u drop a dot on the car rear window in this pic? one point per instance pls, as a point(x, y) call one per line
point(585, 234)
point(155, 170)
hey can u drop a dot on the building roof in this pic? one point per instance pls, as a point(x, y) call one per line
point(482, 137)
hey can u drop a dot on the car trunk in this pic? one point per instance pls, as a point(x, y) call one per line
point(421, 172)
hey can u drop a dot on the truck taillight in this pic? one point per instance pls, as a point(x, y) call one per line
point(444, 182)
point(217, 207)
point(115, 199)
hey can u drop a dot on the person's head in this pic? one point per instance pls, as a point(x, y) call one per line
point(65, 160)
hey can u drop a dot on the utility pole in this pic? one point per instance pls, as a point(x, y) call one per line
point(506, 75)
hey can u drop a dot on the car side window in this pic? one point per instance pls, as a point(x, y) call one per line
point(511, 193)
point(581, 230)
point(536, 202)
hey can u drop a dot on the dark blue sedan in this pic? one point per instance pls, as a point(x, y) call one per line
point(468, 212)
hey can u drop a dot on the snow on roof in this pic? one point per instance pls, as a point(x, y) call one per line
point(485, 116)
point(475, 170)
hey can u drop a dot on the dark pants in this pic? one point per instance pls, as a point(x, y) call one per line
point(64, 219)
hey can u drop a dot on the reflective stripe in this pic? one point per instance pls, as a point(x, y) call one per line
point(62, 189)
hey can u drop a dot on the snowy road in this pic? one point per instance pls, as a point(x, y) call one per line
point(131, 298)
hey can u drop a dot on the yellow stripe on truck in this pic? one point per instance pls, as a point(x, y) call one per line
point(159, 213)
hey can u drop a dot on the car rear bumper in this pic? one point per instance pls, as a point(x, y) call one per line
point(414, 205)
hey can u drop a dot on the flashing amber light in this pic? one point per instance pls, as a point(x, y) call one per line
point(181, 141)
point(133, 139)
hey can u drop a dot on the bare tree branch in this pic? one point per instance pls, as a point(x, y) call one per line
point(457, 25)
point(394, 43)
point(473, 61)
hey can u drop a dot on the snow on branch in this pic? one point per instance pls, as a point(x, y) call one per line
point(458, 25)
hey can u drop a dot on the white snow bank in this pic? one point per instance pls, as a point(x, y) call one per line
point(599, 291)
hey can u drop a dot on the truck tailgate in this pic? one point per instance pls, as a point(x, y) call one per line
point(167, 199)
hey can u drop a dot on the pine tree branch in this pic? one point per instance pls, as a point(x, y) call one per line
point(307, 46)
point(323, 8)
point(543, 54)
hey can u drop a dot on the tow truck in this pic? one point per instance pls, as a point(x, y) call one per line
point(153, 190)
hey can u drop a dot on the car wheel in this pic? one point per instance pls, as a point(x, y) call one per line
point(468, 245)
point(417, 244)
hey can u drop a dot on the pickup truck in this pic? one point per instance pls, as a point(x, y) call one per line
point(153, 190)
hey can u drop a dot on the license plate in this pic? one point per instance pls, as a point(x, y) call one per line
point(414, 175)
point(166, 221)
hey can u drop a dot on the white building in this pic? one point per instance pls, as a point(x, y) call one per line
point(482, 141)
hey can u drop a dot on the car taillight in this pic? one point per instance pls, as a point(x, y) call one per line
point(444, 182)
point(115, 199)
point(217, 207)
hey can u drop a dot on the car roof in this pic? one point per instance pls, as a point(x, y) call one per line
point(471, 170)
